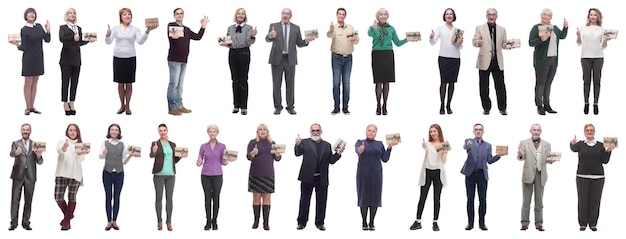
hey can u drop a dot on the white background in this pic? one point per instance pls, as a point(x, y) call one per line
point(413, 106)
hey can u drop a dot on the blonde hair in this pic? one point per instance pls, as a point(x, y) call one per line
point(71, 9)
point(263, 126)
point(381, 10)
point(125, 10)
point(213, 126)
point(245, 19)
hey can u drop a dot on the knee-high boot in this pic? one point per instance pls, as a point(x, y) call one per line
point(257, 213)
point(266, 217)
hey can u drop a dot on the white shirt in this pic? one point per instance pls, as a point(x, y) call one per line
point(591, 41)
point(446, 47)
point(432, 160)
point(69, 163)
point(125, 40)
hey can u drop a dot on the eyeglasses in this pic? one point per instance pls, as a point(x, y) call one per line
point(315, 131)
point(492, 15)
point(478, 129)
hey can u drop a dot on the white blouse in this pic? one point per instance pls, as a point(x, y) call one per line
point(433, 161)
point(125, 40)
point(591, 41)
point(446, 47)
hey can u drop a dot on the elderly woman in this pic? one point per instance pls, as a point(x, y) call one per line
point(545, 58)
point(32, 35)
point(242, 37)
point(164, 171)
point(71, 35)
point(592, 154)
point(383, 65)
point(593, 40)
point(211, 159)
point(369, 174)
point(69, 172)
point(261, 177)
point(449, 57)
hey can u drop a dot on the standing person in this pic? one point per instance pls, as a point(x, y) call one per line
point(433, 172)
point(261, 176)
point(491, 39)
point(317, 156)
point(449, 57)
point(242, 36)
point(383, 63)
point(124, 56)
point(69, 173)
point(177, 60)
point(285, 36)
point(592, 154)
point(535, 152)
point(71, 35)
point(476, 174)
point(344, 37)
point(211, 159)
point(32, 35)
point(545, 58)
point(369, 174)
point(24, 175)
point(592, 40)
point(115, 155)
point(164, 171)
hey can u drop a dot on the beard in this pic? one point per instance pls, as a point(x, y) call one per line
point(316, 138)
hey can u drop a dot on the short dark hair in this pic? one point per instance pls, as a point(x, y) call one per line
point(30, 9)
point(178, 8)
point(162, 125)
point(119, 136)
point(342, 9)
point(453, 14)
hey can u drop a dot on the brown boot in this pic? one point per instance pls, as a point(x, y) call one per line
point(266, 217)
point(65, 224)
point(257, 213)
point(63, 207)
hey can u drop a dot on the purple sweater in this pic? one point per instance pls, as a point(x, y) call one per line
point(213, 158)
point(179, 48)
point(262, 165)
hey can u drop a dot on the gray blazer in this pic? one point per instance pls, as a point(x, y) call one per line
point(27, 158)
point(530, 160)
point(295, 39)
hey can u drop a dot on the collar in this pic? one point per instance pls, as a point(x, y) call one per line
point(591, 143)
point(536, 141)
point(31, 25)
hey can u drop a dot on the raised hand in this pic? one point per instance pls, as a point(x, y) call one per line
point(254, 32)
point(47, 26)
point(154, 147)
point(480, 42)
point(108, 31)
point(469, 143)
point(520, 151)
point(254, 151)
point(578, 32)
point(565, 23)
point(432, 34)
point(362, 147)
point(272, 33)
point(332, 27)
point(573, 140)
point(423, 143)
point(610, 147)
point(18, 151)
point(298, 140)
point(204, 21)
point(65, 145)
point(104, 151)
point(375, 25)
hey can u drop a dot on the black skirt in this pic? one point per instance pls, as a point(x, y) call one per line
point(260, 184)
point(449, 69)
point(124, 69)
point(383, 66)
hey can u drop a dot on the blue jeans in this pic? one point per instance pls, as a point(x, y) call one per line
point(342, 67)
point(175, 88)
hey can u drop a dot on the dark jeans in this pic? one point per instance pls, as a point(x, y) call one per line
point(321, 194)
point(476, 180)
point(239, 62)
point(432, 176)
point(212, 186)
point(498, 81)
point(113, 183)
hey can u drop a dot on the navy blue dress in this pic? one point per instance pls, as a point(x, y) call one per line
point(369, 174)
point(32, 46)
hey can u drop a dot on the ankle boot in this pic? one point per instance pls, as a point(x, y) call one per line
point(586, 109)
point(207, 226)
point(378, 110)
point(257, 213)
point(595, 109)
point(266, 217)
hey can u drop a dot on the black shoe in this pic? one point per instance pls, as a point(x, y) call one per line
point(469, 227)
point(550, 110)
point(583, 228)
point(378, 110)
point(72, 111)
point(593, 228)
point(384, 109)
point(27, 112)
point(416, 225)
point(300, 227)
point(208, 225)
point(108, 228)
point(586, 109)
point(483, 227)
point(372, 227)
point(321, 228)
point(235, 110)
point(540, 110)
point(485, 112)
point(595, 109)
point(449, 110)
point(335, 111)
point(69, 111)
point(214, 225)
point(435, 227)
point(364, 226)
point(503, 112)
point(116, 227)
point(12, 227)
point(33, 110)
point(120, 111)
point(277, 111)
point(244, 111)
point(442, 111)
point(346, 111)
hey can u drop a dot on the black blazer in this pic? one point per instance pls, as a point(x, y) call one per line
point(25, 159)
point(70, 54)
point(311, 158)
point(159, 156)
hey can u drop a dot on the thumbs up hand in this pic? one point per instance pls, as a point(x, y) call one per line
point(573, 140)
point(65, 145)
point(154, 147)
point(375, 25)
point(332, 27)
point(520, 151)
point(254, 151)
point(108, 31)
point(298, 140)
point(254, 31)
point(18, 151)
point(423, 143)
point(432, 34)
point(361, 147)
point(272, 33)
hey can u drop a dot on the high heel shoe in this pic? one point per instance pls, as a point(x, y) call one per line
point(235, 110)
point(169, 226)
point(441, 110)
point(72, 110)
point(378, 109)
point(586, 109)
point(68, 111)
point(160, 226)
point(595, 109)
point(384, 109)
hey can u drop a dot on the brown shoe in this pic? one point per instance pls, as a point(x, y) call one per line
point(169, 226)
point(291, 111)
point(184, 110)
point(160, 226)
point(524, 228)
point(540, 228)
point(277, 111)
point(175, 112)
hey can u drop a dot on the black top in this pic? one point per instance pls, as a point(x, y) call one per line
point(32, 46)
point(70, 54)
point(590, 158)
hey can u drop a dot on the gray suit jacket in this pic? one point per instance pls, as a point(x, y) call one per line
point(530, 160)
point(295, 39)
point(484, 53)
point(27, 158)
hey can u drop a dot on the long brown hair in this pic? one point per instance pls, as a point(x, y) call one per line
point(78, 138)
point(438, 128)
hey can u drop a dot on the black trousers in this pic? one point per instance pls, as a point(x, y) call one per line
point(69, 79)
point(239, 62)
point(321, 194)
point(589, 196)
point(432, 177)
point(212, 186)
point(498, 81)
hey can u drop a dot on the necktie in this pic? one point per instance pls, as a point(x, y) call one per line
point(25, 143)
point(493, 42)
point(238, 29)
point(285, 47)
